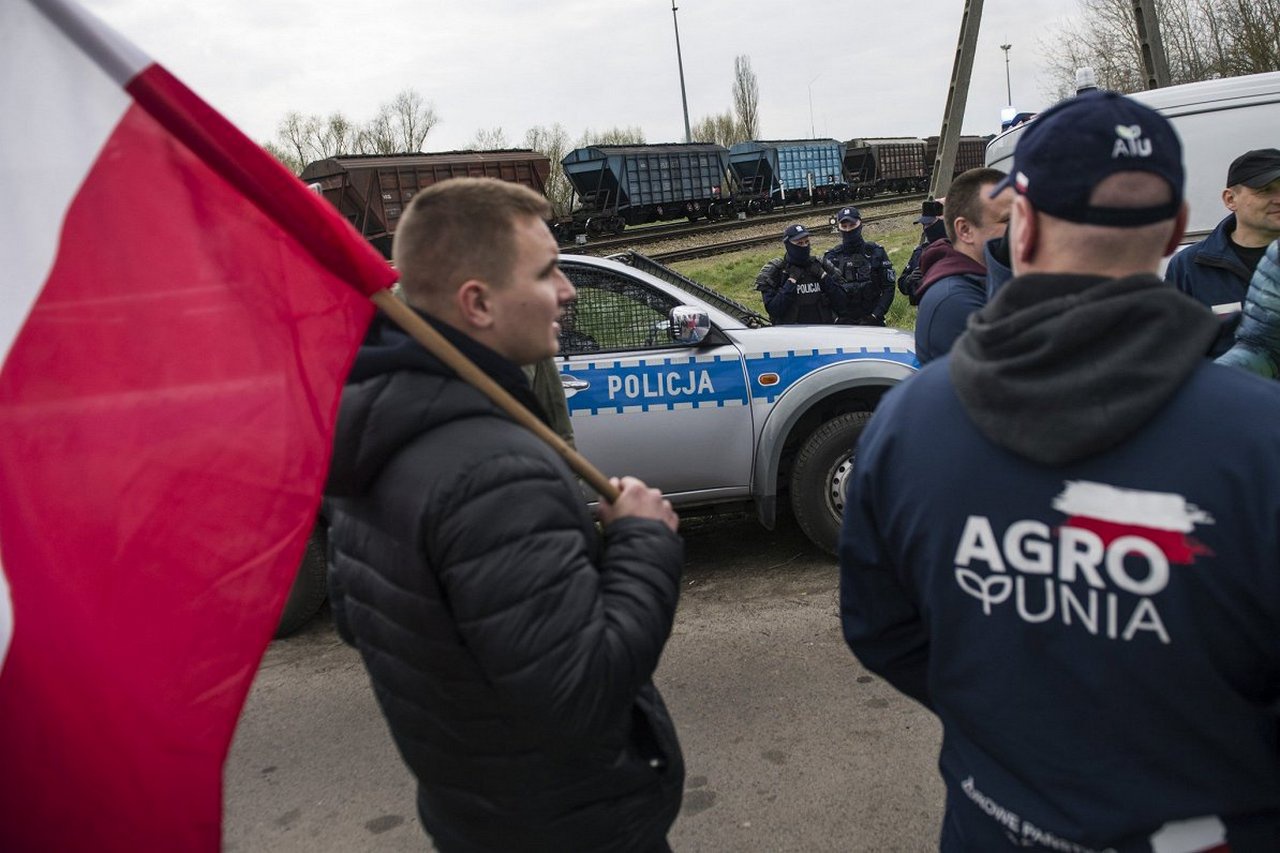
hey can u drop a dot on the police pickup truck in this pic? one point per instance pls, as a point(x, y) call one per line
point(699, 396)
point(671, 382)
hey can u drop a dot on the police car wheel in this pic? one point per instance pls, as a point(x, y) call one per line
point(310, 587)
point(819, 478)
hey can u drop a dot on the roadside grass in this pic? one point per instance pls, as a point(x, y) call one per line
point(735, 275)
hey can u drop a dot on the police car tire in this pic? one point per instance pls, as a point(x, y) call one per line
point(822, 459)
point(310, 587)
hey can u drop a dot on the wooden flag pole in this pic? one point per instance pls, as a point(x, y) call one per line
point(420, 330)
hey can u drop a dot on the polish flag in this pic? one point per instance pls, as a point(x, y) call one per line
point(177, 314)
point(1162, 518)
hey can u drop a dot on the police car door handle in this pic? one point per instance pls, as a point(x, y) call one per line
point(572, 383)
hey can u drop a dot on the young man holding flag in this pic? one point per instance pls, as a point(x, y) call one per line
point(510, 646)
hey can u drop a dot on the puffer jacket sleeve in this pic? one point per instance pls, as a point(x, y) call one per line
point(567, 642)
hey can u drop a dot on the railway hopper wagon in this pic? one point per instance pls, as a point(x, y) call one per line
point(874, 166)
point(621, 185)
point(768, 174)
point(372, 191)
point(971, 153)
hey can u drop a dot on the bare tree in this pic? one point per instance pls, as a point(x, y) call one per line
point(400, 125)
point(296, 134)
point(287, 158)
point(379, 136)
point(1255, 29)
point(553, 142)
point(746, 97)
point(612, 136)
point(1203, 39)
point(722, 129)
point(338, 135)
point(412, 118)
point(489, 139)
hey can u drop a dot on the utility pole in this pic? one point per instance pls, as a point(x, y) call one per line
point(688, 134)
point(1008, 87)
point(949, 139)
point(1155, 66)
point(812, 133)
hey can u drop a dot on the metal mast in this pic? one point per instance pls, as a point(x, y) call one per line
point(957, 95)
point(688, 134)
point(1155, 65)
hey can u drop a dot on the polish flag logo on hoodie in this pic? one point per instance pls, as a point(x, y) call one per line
point(1162, 518)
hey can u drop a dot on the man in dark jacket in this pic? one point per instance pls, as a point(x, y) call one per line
point(1080, 577)
point(954, 280)
point(1216, 271)
point(510, 646)
point(865, 270)
point(932, 229)
point(799, 288)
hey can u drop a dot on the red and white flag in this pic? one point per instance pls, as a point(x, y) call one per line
point(177, 313)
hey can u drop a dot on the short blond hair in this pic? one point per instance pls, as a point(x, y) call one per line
point(457, 230)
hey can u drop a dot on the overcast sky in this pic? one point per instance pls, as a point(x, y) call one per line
point(871, 67)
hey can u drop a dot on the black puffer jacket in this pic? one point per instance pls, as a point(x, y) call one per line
point(509, 647)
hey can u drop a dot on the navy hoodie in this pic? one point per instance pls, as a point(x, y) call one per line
point(1081, 577)
point(953, 287)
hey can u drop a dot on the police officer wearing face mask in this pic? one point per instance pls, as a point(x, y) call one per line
point(799, 288)
point(865, 269)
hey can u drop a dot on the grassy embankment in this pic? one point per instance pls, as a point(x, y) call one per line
point(735, 275)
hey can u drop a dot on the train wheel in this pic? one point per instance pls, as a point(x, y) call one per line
point(619, 225)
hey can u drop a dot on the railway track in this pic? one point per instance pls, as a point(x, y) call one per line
point(711, 249)
point(649, 236)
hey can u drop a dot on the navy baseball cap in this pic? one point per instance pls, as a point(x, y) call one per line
point(1077, 144)
point(848, 214)
point(1255, 169)
point(795, 232)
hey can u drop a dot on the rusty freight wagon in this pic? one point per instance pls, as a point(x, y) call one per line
point(874, 166)
point(970, 154)
point(371, 191)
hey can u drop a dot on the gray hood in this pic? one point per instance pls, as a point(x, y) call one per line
point(1061, 367)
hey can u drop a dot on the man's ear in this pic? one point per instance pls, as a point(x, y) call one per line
point(1179, 229)
point(474, 303)
point(1229, 199)
point(1023, 233)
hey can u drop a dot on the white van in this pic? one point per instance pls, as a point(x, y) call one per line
point(1217, 120)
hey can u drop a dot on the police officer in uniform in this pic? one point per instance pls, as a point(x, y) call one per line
point(799, 288)
point(865, 269)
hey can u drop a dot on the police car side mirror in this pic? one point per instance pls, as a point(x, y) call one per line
point(688, 325)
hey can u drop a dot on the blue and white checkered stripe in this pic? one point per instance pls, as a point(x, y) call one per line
point(792, 365)
point(640, 385)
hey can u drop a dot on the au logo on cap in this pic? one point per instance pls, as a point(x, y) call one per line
point(1129, 142)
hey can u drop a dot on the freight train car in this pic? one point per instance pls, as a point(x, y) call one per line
point(371, 191)
point(768, 174)
point(970, 154)
point(620, 185)
point(874, 166)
